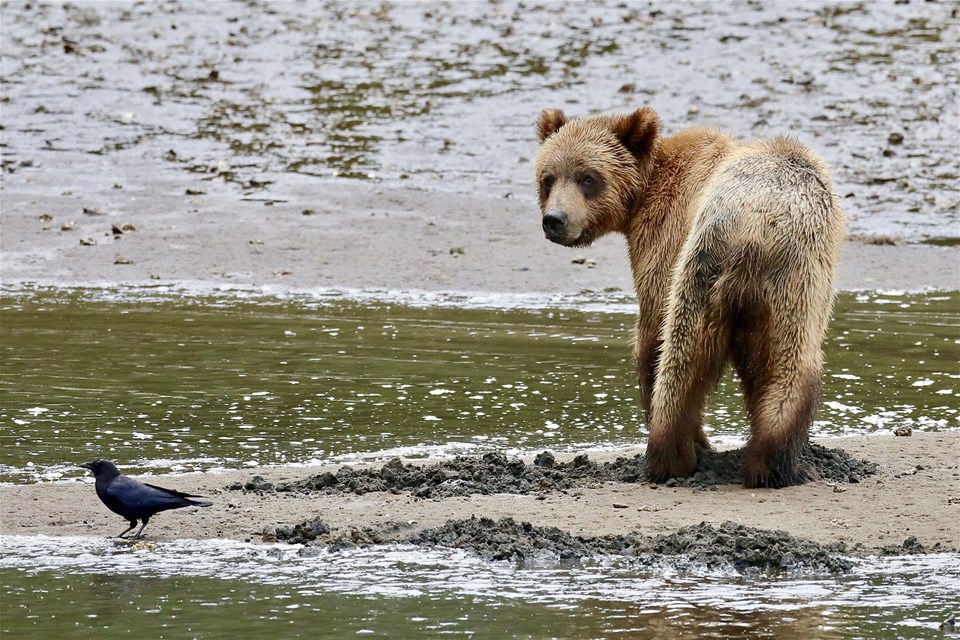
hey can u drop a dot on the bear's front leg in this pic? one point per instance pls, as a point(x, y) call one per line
point(646, 356)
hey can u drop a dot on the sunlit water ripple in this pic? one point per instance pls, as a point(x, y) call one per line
point(911, 589)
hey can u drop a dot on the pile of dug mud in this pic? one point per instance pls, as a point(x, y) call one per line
point(729, 546)
point(496, 473)
point(700, 547)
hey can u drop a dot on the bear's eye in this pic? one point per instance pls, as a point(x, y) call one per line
point(590, 184)
point(546, 183)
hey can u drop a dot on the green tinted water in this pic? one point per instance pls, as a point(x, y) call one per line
point(181, 382)
point(197, 382)
point(96, 588)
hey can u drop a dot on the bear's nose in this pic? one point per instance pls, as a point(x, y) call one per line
point(554, 222)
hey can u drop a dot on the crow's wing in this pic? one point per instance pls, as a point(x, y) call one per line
point(137, 495)
point(176, 493)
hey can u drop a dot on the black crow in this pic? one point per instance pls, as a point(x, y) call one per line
point(135, 500)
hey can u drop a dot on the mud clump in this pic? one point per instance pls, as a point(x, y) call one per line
point(506, 539)
point(730, 546)
point(748, 550)
point(317, 536)
point(256, 484)
point(461, 476)
point(496, 473)
point(910, 546)
point(818, 462)
point(303, 533)
point(836, 464)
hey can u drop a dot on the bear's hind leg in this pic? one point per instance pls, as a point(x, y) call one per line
point(785, 411)
point(780, 368)
point(693, 356)
point(676, 424)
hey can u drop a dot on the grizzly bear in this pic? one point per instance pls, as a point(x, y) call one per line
point(733, 246)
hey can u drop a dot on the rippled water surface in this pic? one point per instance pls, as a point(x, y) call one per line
point(164, 380)
point(172, 382)
point(91, 588)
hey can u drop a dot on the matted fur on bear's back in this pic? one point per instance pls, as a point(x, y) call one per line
point(775, 195)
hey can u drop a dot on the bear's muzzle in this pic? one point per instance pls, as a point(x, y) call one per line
point(555, 225)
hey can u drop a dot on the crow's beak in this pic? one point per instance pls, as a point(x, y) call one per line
point(87, 465)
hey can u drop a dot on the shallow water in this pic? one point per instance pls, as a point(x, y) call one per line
point(436, 95)
point(90, 587)
point(162, 381)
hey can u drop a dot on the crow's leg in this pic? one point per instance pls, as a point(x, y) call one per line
point(145, 520)
point(133, 524)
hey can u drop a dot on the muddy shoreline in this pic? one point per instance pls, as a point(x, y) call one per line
point(727, 547)
point(363, 236)
point(915, 494)
point(496, 473)
point(96, 110)
point(733, 546)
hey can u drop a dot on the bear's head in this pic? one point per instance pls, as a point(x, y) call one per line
point(590, 172)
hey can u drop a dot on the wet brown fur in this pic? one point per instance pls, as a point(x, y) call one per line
point(733, 247)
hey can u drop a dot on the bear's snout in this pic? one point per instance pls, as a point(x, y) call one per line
point(555, 225)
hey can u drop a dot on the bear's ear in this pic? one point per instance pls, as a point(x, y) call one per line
point(549, 121)
point(637, 131)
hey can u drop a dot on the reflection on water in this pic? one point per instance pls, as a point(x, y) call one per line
point(85, 587)
point(172, 382)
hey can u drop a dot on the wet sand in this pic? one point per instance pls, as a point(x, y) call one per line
point(915, 493)
point(355, 236)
